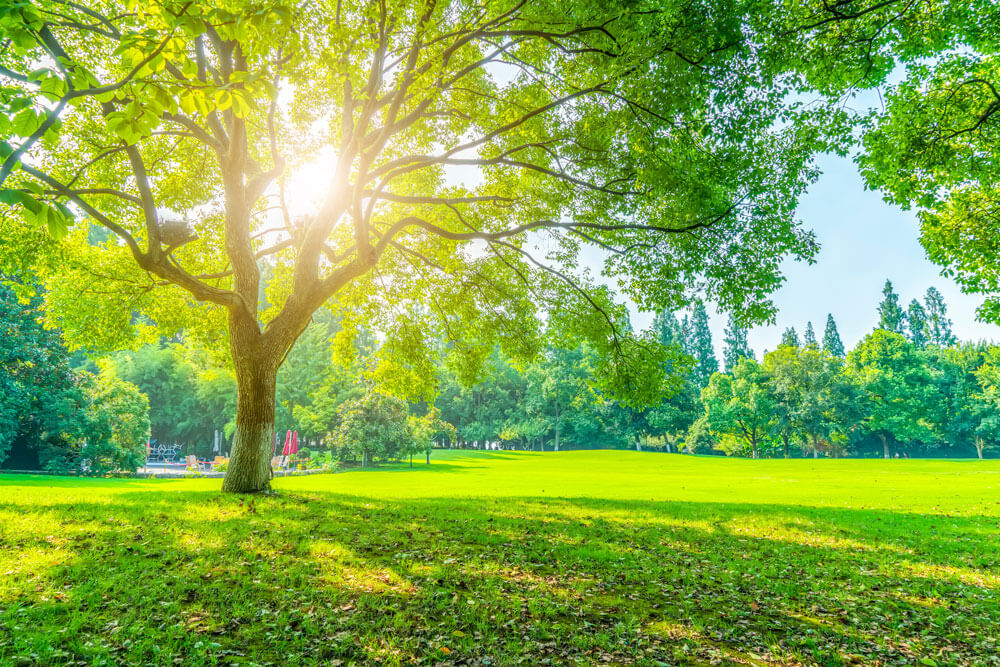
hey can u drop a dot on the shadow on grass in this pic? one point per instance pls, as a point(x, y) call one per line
point(318, 578)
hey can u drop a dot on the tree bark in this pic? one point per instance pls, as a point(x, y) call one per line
point(250, 465)
point(556, 448)
point(784, 439)
point(885, 446)
point(979, 448)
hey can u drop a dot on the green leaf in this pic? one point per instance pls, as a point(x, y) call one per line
point(57, 223)
point(223, 99)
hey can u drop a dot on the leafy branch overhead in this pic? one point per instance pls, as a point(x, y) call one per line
point(646, 132)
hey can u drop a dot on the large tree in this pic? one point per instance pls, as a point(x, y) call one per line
point(668, 135)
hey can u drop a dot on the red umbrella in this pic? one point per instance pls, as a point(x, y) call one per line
point(295, 443)
point(286, 450)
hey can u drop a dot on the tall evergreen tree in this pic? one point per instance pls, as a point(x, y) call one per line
point(831, 338)
point(700, 342)
point(684, 335)
point(790, 337)
point(809, 339)
point(938, 325)
point(890, 313)
point(668, 328)
point(736, 346)
point(916, 324)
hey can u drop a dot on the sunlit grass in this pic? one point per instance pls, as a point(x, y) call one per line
point(499, 558)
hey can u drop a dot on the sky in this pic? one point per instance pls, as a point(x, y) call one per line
point(863, 241)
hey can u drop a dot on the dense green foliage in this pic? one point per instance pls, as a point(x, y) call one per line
point(933, 148)
point(55, 417)
point(890, 395)
point(573, 558)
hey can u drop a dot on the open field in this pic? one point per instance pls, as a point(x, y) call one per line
point(500, 558)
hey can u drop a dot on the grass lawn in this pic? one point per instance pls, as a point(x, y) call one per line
point(500, 558)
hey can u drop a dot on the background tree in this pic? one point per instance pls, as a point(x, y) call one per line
point(809, 338)
point(374, 426)
point(916, 324)
point(890, 313)
point(963, 409)
point(812, 397)
point(790, 337)
point(987, 403)
point(559, 385)
point(175, 129)
point(740, 405)
point(735, 344)
point(701, 346)
point(39, 398)
point(831, 338)
point(938, 324)
point(895, 386)
point(117, 426)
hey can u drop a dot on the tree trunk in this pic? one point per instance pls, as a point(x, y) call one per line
point(979, 448)
point(556, 448)
point(784, 439)
point(885, 447)
point(250, 465)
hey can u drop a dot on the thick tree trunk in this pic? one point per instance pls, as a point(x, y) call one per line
point(255, 361)
point(885, 447)
point(784, 439)
point(979, 448)
point(250, 465)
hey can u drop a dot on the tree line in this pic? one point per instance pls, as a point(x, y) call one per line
point(909, 388)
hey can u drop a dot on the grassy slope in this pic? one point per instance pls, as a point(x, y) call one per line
point(590, 557)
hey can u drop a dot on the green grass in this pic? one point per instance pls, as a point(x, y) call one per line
point(568, 558)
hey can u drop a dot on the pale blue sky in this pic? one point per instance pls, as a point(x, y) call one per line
point(863, 241)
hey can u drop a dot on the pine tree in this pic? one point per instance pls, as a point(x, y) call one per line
point(705, 363)
point(790, 337)
point(809, 339)
point(831, 338)
point(916, 324)
point(938, 324)
point(736, 346)
point(684, 336)
point(890, 313)
point(668, 329)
